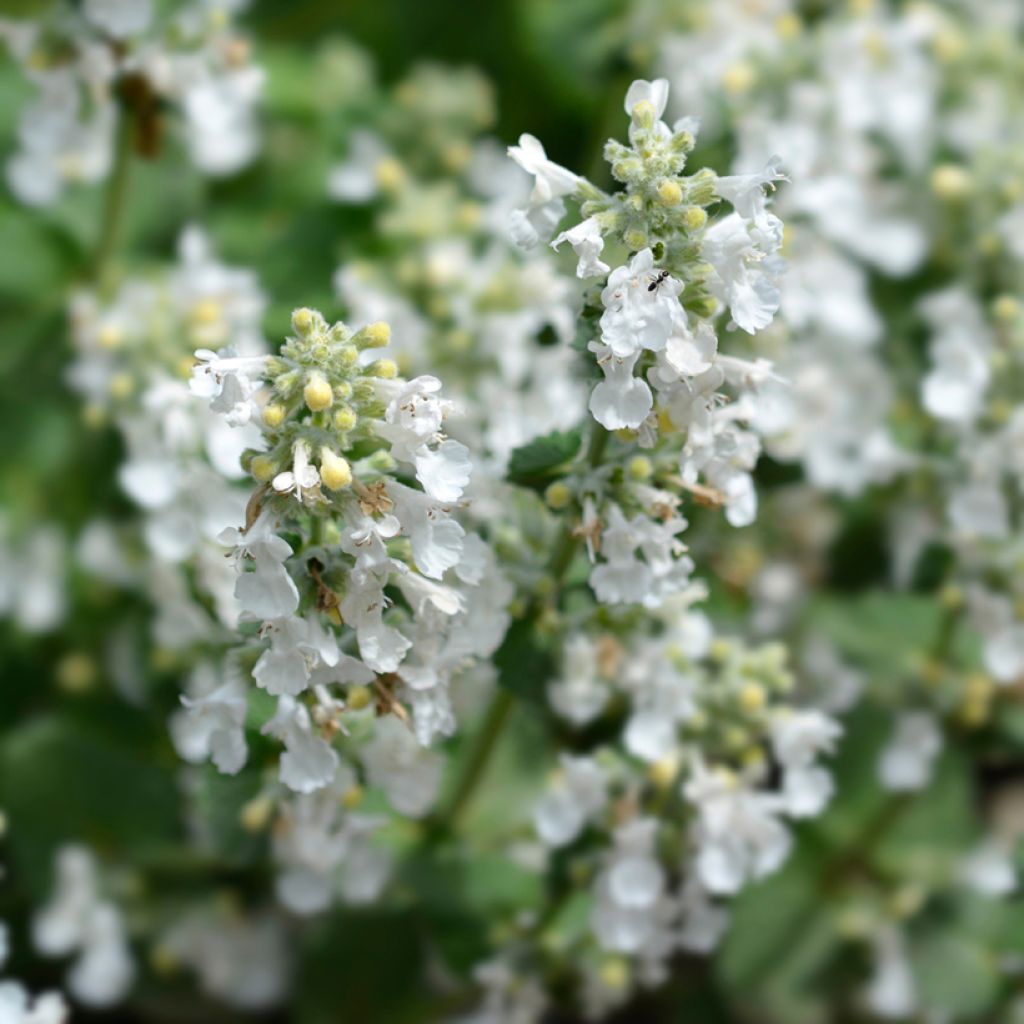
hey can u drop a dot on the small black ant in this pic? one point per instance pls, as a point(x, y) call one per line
point(662, 276)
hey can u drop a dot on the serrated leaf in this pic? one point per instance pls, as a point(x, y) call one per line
point(534, 464)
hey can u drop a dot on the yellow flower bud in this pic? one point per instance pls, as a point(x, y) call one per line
point(695, 218)
point(640, 468)
point(557, 495)
point(263, 468)
point(670, 193)
point(255, 814)
point(109, 337)
point(389, 175)
point(636, 239)
point(303, 321)
point(206, 312)
point(738, 78)
point(788, 26)
point(121, 385)
point(358, 697)
point(335, 472)
point(273, 415)
point(614, 972)
point(386, 368)
point(318, 393)
point(344, 418)
point(753, 698)
point(375, 335)
point(951, 182)
point(352, 797)
point(76, 672)
point(664, 771)
point(1005, 308)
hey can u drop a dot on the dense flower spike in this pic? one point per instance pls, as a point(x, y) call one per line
point(350, 560)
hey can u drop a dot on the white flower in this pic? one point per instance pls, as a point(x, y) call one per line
point(587, 242)
point(550, 180)
point(746, 268)
point(119, 18)
point(309, 763)
point(436, 538)
point(891, 992)
point(908, 759)
point(798, 737)
point(642, 309)
point(445, 470)
point(578, 694)
point(738, 834)
point(78, 919)
point(268, 592)
point(620, 400)
point(409, 773)
point(213, 722)
point(355, 180)
point(577, 796)
point(990, 869)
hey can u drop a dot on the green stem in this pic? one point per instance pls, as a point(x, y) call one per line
point(114, 203)
point(497, 714)
point(477, 764)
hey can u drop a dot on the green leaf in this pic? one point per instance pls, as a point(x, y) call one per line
point(955, 975)
point(60, 784)
point(534, 464)
point(524, 667)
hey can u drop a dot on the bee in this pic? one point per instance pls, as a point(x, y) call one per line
point(662, 276)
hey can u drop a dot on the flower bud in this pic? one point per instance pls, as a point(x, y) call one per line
point(335, 472)
point(951, 182)
point(262, 468)
point(670, 193)
point(753, 698)
point(273, 415)
point(375, 335)
point(318, 393)
point(303, 321)
point(557, 495)
point(358, 697)
point(255, 814)
point(389, 175)
point(386, 368)
point(695, 218)
point(640, 468)
point(344, 418)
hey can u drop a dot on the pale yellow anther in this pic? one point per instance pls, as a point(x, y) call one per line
point(318, 393)
point(643, 113)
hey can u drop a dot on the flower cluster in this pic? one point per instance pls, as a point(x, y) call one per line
point(84, 60)
point(362, 581)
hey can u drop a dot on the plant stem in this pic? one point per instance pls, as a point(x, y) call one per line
point(497, 714)
point(476, 767)
point(114, 202)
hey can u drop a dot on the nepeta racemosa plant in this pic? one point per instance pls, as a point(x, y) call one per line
point(350, 560)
